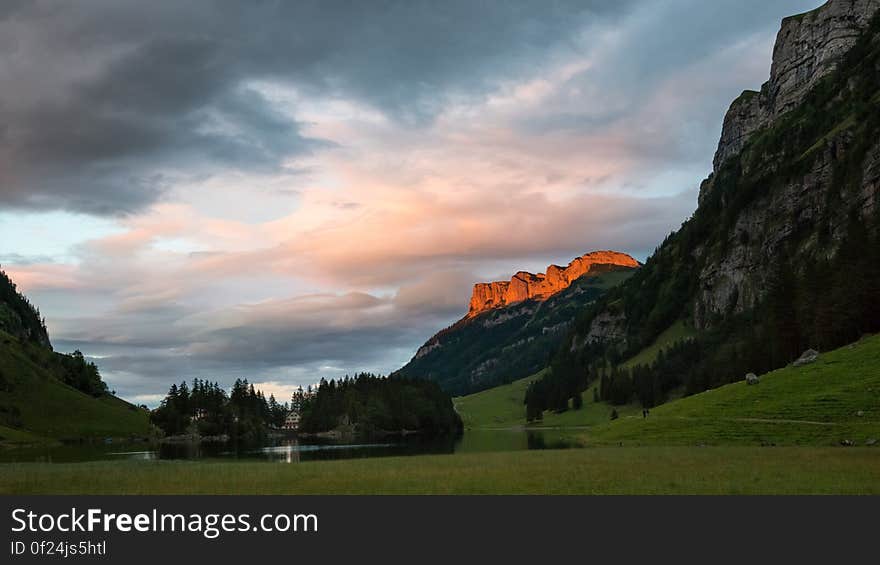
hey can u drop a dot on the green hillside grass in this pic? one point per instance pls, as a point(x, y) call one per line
point(50, 409)
point(816, 404)
point(833, 400)
point(14, 436)
point(502, 407)
point(678, 331)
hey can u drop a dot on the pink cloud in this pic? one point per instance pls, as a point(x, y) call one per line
point(45, 276)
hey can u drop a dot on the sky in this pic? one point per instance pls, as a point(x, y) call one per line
point(285, 191)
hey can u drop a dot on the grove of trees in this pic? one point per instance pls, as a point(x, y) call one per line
point(207, 410)
point(371, 404)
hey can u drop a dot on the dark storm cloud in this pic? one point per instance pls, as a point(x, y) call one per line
point(165, 108)
point(106, 103)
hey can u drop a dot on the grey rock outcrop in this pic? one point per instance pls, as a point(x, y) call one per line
point(808, 47)
point(736, 280)
point(607, 326)
point(809, 356)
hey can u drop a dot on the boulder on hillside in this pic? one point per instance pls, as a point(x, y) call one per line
point(752, 379)
point(809, 356)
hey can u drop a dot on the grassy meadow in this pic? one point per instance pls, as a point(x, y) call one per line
point(502, 408)
point(782, 436)
point(673, 470)
point(834, 400)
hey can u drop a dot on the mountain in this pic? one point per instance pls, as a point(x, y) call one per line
point(783, 251)
point(512, 327)
point(540, 287)
point(49, 395)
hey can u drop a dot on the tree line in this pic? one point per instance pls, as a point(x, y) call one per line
point(369, 404)
point(825, 304)
point(206, 409)
point(366, 404)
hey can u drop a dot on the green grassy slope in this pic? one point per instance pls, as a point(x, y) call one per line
point(815, 404)
point(688, 470)
point(502, 407)
point(678, 331)
point(48, 408)
point(835, 399)
point(13, 436)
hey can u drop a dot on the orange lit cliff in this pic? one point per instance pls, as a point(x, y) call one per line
point(525, 286)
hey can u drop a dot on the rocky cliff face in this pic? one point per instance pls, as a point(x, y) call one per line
point(527, 286)
point(795, 163)
point(808, 47)
point(738, 279)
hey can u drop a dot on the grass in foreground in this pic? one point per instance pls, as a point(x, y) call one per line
point(728, 470)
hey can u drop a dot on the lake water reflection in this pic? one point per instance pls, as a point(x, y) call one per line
point(294, 450)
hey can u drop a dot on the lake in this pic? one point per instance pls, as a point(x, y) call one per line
point(294, 450)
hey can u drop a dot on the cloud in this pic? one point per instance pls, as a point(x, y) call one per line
point(108, 104)
point(297, 340)
point(284, 191)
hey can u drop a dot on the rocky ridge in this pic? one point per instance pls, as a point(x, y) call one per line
point(528, 286)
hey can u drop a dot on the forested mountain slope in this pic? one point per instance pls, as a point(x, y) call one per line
point(504, 343)
point(783, 251)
